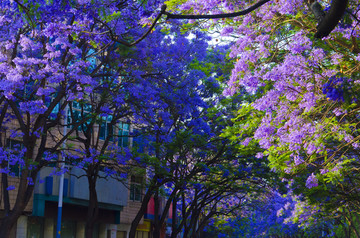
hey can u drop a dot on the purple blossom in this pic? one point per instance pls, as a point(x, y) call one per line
point(324, 171)
point(311, 181)
point(227, 30)
point(11, 187)
point(310, 148)
point(246, 141)
point(37, 106)
point(308, 101)
point(299, 43)
point(298, 160)
point(30, 181)
point(333, 89)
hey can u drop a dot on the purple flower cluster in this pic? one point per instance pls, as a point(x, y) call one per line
point(333, 89)
point(311, 181)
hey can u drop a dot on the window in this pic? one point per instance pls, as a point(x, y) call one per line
point(135, 188)
point(76, 114)
point(143, 142)
point(124, 129)
point(14, 145)
point(121, 234)
point(106, 129)
point(139, 141)
point(35, 227)
point(56, 109)
point(68, 229)
point(142, 234)
point(91, 58)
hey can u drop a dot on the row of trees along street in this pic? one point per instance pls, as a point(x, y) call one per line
point(252, 134)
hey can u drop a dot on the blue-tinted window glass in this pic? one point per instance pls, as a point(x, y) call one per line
point(123, 135)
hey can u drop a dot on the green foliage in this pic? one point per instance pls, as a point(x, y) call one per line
point(111, 17)
point(174, 4)
point(243, 128)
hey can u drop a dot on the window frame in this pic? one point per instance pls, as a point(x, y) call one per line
point(108, 129)
point(77, 109)
point(123, 135)
point(136, 187)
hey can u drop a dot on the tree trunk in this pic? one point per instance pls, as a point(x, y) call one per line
point(157, 225)
point(174, 228)
point(186, 225)
point(181, 221)
point(93, 208)
point(194, 223)
point(5, 193)
point(332, 18)
point(141, 212)
point(7, 224)
point(24, 194)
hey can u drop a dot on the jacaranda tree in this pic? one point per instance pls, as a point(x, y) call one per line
point(301, 60)
point(171, 106)
point(46, 53)
point(153, 94)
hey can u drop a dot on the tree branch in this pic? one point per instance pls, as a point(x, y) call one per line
point(327, 22)
point(27, 12)
point(116, 39)
point(216, 16)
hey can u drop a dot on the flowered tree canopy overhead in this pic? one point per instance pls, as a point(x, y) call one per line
point(305, 86)
point(296, 70)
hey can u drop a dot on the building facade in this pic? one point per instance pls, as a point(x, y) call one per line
point(117, 207)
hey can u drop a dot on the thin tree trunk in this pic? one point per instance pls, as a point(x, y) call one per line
point(157, 225)
point(194, 222)
point(186, 227)
point(24, 194)
point(4, 176)
point(141, 212)
point(174, 218)
point(93, 208)
point(5, 193)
